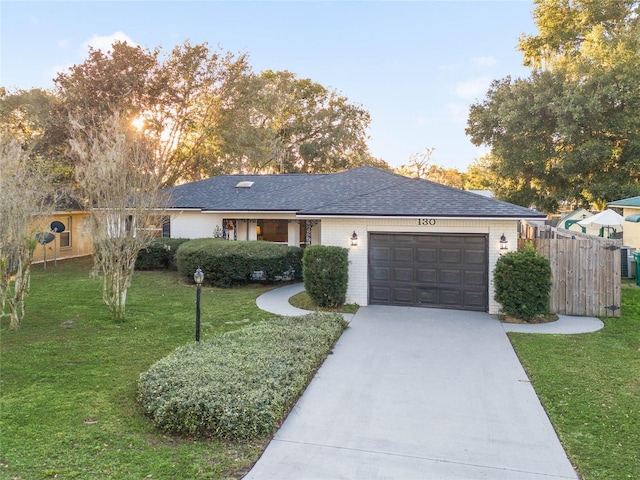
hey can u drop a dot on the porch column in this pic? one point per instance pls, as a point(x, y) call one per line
point(312, 235)
point(293, 239)
point(252, 233)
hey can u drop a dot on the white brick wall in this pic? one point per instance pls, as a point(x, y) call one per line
point(338, 232)
point(194, 224)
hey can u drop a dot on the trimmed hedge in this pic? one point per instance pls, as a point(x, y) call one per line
point(326, 273)
point(240, 384)
point(159, 254)
point(227, 263)
point(522, 283)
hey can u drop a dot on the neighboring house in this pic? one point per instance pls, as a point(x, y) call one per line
point(570, 222)
point(75, 241)
point(631, 213)
point(411, 242)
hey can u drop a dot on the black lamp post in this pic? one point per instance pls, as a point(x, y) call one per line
point(198, 277)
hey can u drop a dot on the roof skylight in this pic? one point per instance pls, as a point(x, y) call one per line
point(245, 184)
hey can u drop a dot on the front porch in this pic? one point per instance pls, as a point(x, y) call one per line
point(294, 233)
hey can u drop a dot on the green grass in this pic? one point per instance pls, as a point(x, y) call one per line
point(68, 382)
point(68, 379)
point(304, 301)
point(589, 385)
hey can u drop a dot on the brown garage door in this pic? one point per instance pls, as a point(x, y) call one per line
point(429, 270)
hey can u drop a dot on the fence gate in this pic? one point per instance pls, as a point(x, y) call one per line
point(586, 271)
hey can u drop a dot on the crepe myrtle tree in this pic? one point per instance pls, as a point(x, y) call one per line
point(118, 181)
point(26, 201)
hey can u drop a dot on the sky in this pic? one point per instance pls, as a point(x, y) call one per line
point(415, 66)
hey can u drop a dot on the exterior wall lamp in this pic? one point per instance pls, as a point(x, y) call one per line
point(354, 239)
point(504, 245)
point(198, 277)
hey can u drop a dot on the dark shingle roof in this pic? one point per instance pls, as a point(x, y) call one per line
point(363, 191)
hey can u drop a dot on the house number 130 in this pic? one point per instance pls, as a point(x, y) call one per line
point(427, 221)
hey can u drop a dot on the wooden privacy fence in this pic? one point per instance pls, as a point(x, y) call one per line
point(586, 270)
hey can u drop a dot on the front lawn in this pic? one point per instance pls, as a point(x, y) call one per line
point(590, 387)
point(69, 379)
point(305, 302)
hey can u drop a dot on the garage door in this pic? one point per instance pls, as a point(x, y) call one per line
point(429, 270)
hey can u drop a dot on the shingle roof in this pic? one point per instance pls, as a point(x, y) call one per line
point(627, 202)
point(363, 191)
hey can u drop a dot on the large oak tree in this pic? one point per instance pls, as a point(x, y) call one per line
point(208, 113)
point(570, 131)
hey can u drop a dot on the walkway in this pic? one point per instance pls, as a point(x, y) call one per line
point(415, 393)
point(277, 301)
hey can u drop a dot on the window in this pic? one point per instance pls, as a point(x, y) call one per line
point(166, 227)
point(65, 237)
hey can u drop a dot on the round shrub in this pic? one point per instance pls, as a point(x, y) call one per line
point(522, 283)
point(159, 254)
point(239, 384)
point(325, 270)
point(226, 263)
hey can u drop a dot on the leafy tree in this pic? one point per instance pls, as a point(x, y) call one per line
point(208, 113)
point(118, 81)
point(176, 102)
point(117, 174)
point(480, 175)
point(571, 130)
point(26, 201)
point(420, 166)
point(34, 118)
point(286, 124)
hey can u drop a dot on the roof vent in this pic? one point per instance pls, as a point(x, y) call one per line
point(245, 184)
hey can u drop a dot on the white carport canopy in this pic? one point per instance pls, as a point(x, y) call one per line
point(608, 218)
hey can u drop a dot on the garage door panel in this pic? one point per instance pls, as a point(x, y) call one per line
point(451, 277)
point(430, 270)
point(473, 278)
point(475, 300)
point(427, 296)
point(450, 255)
point(475, 257)
point(428, 255)
point(402, 274)
point(452, 239)
point(400, 239)
point(402, 254)
point(479, 241)
point(403, 296)
point(450, 298)
point(381, 274)
point(427, 276)
point(380, 295)
point(381, 253)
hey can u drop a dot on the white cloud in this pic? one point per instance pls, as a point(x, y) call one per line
point(98, 42)
point(472, 89)
point(484, 61)
point(63, 43)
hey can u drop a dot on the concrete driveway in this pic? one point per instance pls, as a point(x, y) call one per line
point(412, 393)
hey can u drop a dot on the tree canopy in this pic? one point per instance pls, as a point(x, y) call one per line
point(421, 166)
point(570, 131)
point(205, 111)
